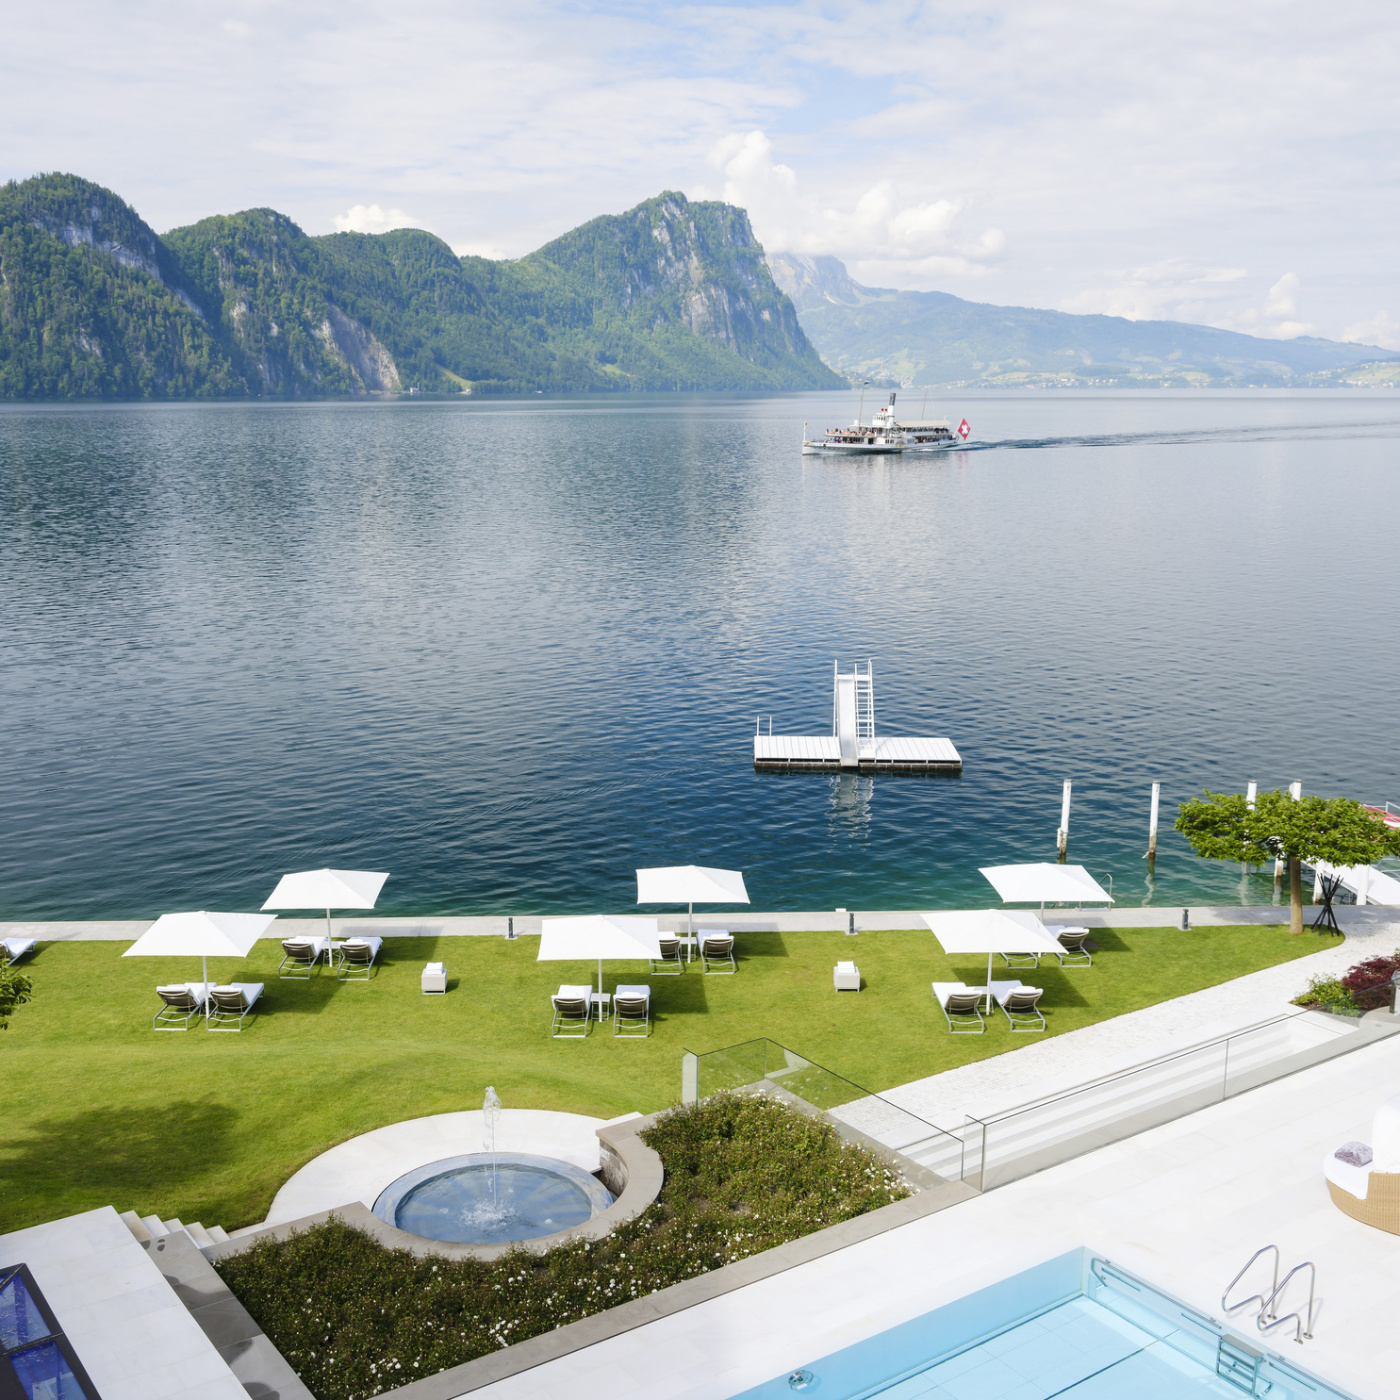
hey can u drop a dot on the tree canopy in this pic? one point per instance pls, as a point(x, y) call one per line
point(15, 990)
point(1338, 830)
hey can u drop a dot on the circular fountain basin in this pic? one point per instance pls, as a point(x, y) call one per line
point(486, 1198)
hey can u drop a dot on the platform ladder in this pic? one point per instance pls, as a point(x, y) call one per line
point(852, 709)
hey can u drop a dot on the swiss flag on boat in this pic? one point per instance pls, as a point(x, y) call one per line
point(963, 430)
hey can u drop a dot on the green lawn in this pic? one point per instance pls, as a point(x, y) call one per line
point(99, 1109)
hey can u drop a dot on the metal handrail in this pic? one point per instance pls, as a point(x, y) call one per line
point(1294, 1317)
point(1227, 1307)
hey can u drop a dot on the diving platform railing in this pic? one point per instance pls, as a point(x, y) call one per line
point(852, 745)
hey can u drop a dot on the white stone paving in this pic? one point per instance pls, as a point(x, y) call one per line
point(360, 1169)
point(1183, 1205)
point(135, 1338)
point(1052, 1065)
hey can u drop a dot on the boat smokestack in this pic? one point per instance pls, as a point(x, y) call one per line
point(891, 400)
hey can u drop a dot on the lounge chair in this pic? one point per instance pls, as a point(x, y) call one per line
point(846, 977)
point(573, 1009)
point(717, 947)
point(669, 963)
point(1071, 938)
point(357, 957)
point(1020, 1006)
point(1363, 1178)
point(229, 1005)
point(961, 1006)
point(13, 949)
point(300, 955)
point(631, 1010)
point(182, 1003)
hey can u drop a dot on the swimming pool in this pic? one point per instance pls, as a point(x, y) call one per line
point(1076, 1327)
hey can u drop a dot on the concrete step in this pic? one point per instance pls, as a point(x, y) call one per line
point(199, 1235)
point(218, 1234)
point(136, 1225)
point(152, 1223)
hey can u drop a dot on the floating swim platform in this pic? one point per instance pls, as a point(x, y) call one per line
point(852, 745)
point(822, 752)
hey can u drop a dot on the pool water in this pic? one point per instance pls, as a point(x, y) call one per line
point(1079, 1350)
point(1076, 1327)
point(477, 1200)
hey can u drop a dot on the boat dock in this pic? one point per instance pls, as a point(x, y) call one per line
point(852, 745)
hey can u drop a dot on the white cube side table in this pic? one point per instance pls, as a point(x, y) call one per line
point(434, 979)
point(846, 977)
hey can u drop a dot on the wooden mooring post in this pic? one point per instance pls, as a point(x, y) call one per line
point(1152, 823)
point(1062, 836)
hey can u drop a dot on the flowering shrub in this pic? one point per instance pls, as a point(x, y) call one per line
point(1364, 987)
point(743, 1173)
point(1325, 993)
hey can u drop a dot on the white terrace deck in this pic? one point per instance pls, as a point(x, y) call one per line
point(823, 751)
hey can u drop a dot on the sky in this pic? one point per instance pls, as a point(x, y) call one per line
point(1231, 164)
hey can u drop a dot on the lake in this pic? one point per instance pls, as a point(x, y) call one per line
point(511, 650)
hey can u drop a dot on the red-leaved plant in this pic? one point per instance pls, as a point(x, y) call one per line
point(1369, 981)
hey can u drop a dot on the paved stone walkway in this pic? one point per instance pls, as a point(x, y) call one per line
point(1051, 1066)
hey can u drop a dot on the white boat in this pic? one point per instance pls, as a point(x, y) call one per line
point(886, 434)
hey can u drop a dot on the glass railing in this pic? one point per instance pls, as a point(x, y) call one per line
point(1003, 1147)
point(1006, 1146)
point(766, 1062)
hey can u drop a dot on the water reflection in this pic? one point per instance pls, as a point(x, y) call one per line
point(849, 805)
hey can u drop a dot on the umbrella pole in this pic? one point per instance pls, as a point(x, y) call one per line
point(690, 918)
point(204, 972)
point(989, 984)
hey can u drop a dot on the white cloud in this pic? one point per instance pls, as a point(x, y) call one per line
point(877, 227)
point(1165, 291)
point(1379, 329)
point(372, 218)
point(1277, 318)
point(1099, 135)
point(1173, 291)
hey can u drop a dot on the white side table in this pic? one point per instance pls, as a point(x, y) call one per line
point(434, 979)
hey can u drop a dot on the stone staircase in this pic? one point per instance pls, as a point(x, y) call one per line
point(151, 1227)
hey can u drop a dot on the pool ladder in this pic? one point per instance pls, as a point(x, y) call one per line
point(1268, 1318)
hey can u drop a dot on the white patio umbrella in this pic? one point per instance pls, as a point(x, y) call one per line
point(201, 935)
point(625, 937)
point(1046, 884)
point(990, 931)
point(327, 889)
point(689, 885)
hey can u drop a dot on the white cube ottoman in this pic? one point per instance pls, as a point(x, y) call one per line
point(434, 978)
point(847, 977)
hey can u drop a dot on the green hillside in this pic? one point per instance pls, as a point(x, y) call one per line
point(933, 338)
point(93, 304)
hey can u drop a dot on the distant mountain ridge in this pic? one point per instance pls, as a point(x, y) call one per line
point(673, 294)
point(938, 339)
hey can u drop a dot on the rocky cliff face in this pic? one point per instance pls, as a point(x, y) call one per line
point(672, 263)
point(267, 279)
point(670, 295)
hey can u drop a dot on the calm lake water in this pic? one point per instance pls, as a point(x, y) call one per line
point(509, 651)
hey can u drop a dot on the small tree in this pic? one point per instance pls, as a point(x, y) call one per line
point(1223, 826)
point(15, 990)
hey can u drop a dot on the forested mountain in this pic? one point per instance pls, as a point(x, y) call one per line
point(671, 295)
point(934, 338)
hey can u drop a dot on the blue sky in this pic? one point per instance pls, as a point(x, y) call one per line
point(1231, 164)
